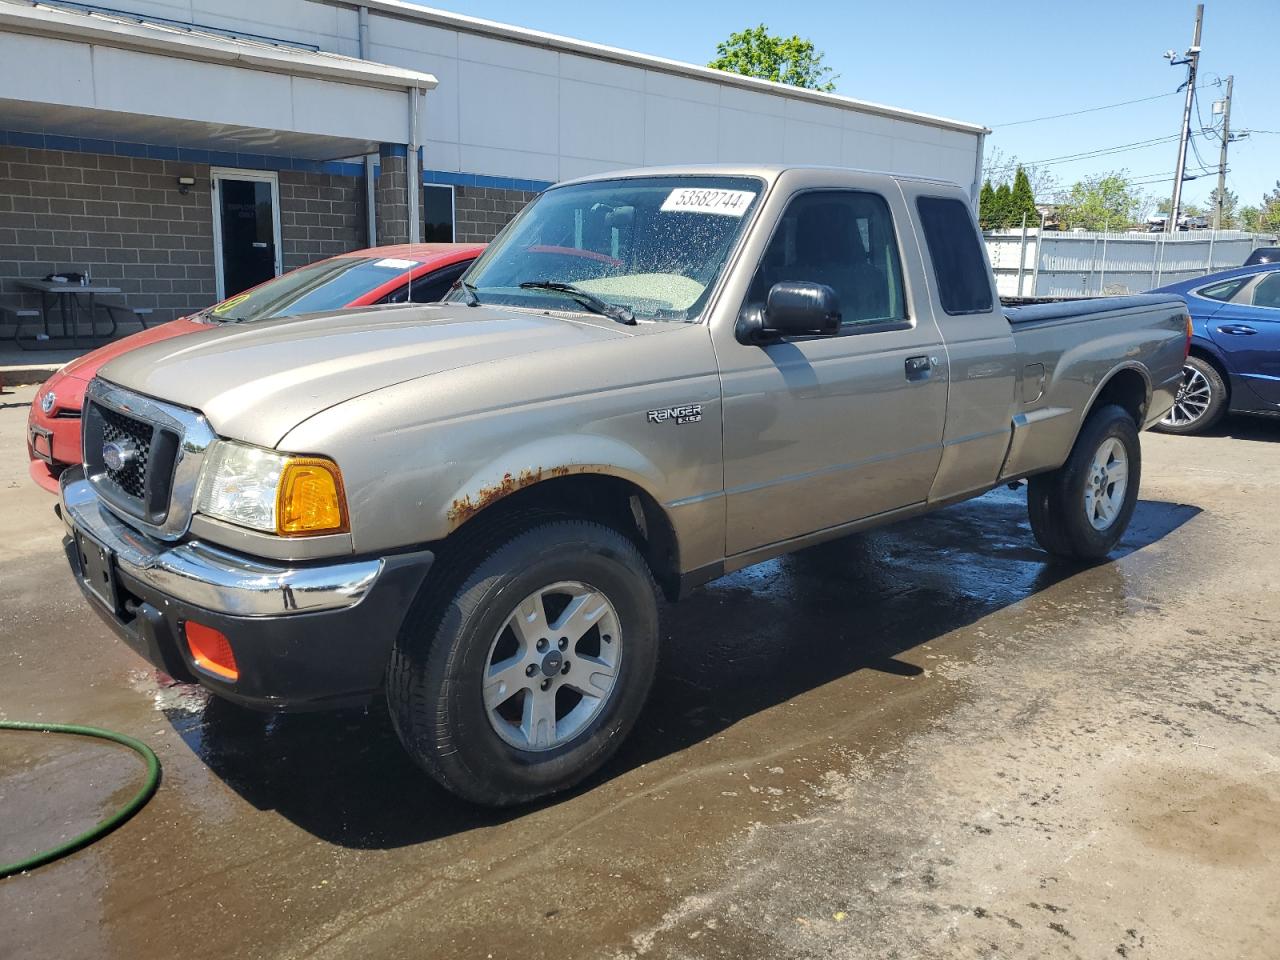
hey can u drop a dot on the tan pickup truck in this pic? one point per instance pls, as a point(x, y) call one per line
point(650, 379)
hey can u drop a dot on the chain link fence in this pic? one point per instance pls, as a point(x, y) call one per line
point(1093, 264)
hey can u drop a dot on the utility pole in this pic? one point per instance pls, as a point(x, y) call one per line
point(1192, 60)
point(1222, 157)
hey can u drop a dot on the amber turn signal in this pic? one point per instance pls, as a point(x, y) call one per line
point(310, 499)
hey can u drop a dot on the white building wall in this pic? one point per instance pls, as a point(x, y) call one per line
point(510, 109)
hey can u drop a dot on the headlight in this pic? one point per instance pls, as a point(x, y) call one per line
point(276, 493)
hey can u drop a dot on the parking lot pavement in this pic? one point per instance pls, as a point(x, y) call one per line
point(922, 742)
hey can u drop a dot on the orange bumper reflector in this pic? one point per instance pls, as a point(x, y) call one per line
point(211, 651)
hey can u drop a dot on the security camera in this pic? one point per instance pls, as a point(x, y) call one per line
point(1169, 54)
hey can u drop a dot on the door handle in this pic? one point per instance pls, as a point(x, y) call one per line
point(918, 368)
point(1237, 329)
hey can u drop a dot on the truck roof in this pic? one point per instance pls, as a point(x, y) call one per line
point(765, 171)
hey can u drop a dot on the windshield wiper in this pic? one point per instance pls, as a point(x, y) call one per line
point(589, 300)
point(469, 289)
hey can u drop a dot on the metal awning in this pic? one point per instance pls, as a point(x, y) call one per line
point(89, 73)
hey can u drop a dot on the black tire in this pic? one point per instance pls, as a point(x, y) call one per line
point(434, 682)
point(1217, 400)
point(1056, 500)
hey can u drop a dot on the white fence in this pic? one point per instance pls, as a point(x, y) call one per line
point(1087, 264)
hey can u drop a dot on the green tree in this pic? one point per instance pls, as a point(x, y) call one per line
point(1105, 202)
point(986, 202)
point(756, 52)
point(1269, 212)
point(1022, 201)
point(1002, 206)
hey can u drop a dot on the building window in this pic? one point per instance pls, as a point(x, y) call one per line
point(437, 222)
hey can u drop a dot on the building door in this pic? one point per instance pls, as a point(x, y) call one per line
point(246, 228)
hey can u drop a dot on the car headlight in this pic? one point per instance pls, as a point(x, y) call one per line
point(273, 492)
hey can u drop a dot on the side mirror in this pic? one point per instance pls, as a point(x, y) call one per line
point(791, 310)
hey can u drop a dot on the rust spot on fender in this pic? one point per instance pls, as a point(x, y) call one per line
point(464, 508)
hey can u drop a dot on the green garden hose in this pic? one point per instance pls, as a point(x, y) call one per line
point(107, 825)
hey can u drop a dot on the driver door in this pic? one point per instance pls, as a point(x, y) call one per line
point(819, 432)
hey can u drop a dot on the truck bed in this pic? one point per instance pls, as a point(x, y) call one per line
point(1026, 310)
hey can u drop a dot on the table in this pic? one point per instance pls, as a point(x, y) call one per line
point(66, 294)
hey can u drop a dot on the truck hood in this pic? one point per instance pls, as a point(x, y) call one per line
point(257, 382)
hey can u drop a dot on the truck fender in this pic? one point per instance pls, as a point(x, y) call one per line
point(543, 460)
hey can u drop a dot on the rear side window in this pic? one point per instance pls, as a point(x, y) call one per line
point(1223, 291)
point(1267, 292)
point(963, 285)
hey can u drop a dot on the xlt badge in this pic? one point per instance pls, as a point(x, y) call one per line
point(689, 413)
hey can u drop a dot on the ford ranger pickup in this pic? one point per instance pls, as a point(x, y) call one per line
point(477, 508)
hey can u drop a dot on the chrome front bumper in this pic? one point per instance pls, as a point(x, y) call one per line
point(205, 576)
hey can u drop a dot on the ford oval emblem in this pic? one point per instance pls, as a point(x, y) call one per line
point(118, 454)
point(47, 401)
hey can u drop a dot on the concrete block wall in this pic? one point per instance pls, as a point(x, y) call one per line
point(124, 221)
point(480, 212)
point(391, 199)
point(121, 219)
point(321, 215)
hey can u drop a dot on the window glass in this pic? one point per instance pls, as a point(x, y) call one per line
point(963, 283)
point(843, 239)
point(1267, 292)
point(654, 245)
point(327, 285)
point(430, 288)
point(437, 220)
point(1224, 290)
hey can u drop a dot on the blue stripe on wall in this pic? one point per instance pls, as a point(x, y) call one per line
point(152, 151)
point(252, 161)
point(483, 180)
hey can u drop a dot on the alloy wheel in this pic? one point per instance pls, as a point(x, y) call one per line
point(1105, 486)
point(553, 666)
point(1192, 400)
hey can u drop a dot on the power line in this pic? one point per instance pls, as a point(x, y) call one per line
point(1076, 113)
point(1087, 154)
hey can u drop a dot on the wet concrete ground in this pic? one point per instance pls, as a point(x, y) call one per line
point(922, 742)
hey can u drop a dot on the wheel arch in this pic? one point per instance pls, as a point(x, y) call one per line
point(1128, 386)
point(613, 490)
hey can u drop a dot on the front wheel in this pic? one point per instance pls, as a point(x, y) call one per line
point(527, 675)
point(1081, 510)
point(1200, 402)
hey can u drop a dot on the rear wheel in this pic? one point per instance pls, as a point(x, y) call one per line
point(525, 677)
point(1201, 399)
point(1081, 509)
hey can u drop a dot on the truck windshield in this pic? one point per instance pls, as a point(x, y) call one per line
point(653, 246)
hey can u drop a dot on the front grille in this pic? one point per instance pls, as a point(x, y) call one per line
point(141, 485)
point(125, 430)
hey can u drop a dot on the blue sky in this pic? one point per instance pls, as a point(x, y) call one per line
point(993, 63)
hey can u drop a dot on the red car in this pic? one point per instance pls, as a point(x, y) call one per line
point(418, 273)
